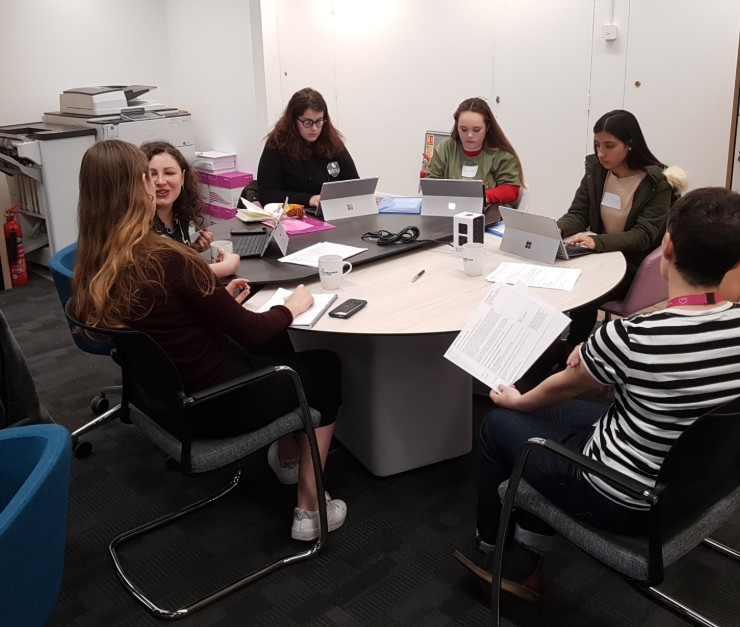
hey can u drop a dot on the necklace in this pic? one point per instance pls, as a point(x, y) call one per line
point(696, 299)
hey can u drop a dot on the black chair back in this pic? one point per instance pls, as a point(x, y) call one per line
point(702, 467)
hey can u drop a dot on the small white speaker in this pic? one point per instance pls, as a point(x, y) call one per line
point(467, 227)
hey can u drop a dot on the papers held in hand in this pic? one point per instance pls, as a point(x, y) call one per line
point(508, 332)
point(321, 302)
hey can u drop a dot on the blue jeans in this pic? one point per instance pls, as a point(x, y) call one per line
point(571, 424)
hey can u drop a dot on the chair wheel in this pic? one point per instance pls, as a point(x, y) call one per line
point(100, 404)
point(81, 448)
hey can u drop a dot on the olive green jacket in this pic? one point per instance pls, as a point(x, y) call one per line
point(495, 167)
point(645, 223)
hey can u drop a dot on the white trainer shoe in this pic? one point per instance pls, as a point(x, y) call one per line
point(306, 523)
point(286, 471)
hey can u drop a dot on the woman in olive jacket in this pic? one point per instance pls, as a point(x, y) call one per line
point(621, 205)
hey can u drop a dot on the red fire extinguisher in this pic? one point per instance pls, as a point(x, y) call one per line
point(14, 244)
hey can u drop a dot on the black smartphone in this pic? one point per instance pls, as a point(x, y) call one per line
point(348, 308)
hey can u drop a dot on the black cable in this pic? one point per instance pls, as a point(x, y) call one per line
point(406, 235)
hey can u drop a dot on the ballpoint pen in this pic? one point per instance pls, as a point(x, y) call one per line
point(417, 276)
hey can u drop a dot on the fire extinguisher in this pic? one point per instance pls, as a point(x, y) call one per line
point(14, 244)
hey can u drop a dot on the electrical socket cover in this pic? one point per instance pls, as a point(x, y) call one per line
point(609, 32)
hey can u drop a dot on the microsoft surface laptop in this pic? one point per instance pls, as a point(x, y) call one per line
point(446, 197)
point(346, 199)
point(535, 237)
point(255, 243)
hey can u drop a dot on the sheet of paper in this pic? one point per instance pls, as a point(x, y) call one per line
point(508, 332)
point(535, 276)
point(310, 256)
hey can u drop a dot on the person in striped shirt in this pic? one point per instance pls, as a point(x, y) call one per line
point(666, 367)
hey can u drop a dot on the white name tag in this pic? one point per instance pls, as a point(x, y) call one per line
point(469, 171)
point(611, 200)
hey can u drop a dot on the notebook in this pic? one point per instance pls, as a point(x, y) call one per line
point(535, 237)
point(256, 243)
point(306, 320)
point(446, 197)
point(345, 199)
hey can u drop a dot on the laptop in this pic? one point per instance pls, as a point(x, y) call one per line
point(346, 199)
point(535, 237)
point(255, 243)
point(446, 197)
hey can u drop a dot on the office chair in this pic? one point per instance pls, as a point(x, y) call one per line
point(34, 466)
point(697, 490)
point(522, 201)
point(61, 266)
point(158, 404)
point(648, 288)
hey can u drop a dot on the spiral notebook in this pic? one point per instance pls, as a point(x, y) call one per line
point(306, 320)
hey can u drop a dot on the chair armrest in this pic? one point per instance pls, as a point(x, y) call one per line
point(636, 489)
point(226, 387)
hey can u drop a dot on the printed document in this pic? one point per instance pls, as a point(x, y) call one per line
point(508, 332)
point(310, 256)
point(555, 278)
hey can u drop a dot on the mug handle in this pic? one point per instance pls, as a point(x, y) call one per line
point(347, 263)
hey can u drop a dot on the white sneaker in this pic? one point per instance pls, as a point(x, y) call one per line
point(286, 471)
point(306, 523)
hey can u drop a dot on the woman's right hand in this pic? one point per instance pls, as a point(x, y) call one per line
point(229, 262)
point(315, 200)
point(299, 301)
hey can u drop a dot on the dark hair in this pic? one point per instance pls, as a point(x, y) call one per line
point(286, 138)
point(495, 137)
point(188, 204)
point(624, 126)
point(705, 230)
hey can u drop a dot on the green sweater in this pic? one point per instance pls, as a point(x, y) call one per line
point(495, 167)
point(645, 223)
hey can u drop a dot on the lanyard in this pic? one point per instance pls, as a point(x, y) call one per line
point(696, 299)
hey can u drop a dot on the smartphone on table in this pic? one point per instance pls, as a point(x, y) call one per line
point(348, 308)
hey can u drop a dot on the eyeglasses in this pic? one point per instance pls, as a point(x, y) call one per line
point(309, 123)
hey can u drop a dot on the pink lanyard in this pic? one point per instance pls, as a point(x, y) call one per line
point(696, 299)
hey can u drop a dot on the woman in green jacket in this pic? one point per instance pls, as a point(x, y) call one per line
point(479, 150)
point(621, 205)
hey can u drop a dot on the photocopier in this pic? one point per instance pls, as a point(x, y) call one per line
point(41, 160)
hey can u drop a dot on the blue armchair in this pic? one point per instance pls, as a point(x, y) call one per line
point(34, 485)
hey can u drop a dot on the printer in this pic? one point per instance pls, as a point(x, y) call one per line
point(117, 112)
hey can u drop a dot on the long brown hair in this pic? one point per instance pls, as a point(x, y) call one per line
point(285, 137)
point(188, 204)
point(494, 137)
point(117, 251)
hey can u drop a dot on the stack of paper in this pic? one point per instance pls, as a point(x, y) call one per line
point(309, 256)
point(321, 302)
point(531, 275)
point(215, 161)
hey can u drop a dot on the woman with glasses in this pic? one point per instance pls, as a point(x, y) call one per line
point(478, 150)
point(302, 152)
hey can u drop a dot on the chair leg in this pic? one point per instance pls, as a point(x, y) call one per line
point(725, 550)
point(187, 610)
point(674, 606)
point(82, 448)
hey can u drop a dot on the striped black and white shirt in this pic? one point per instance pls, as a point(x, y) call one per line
point(668, 368)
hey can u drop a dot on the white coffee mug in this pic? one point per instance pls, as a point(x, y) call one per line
point(472, 256)
point(332, 271)
point(225, 244)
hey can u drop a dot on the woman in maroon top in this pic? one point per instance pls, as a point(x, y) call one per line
point(127, 276)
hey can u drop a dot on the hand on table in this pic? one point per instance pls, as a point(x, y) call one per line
point(315, 200)
point(239, 289)
point(299, 301)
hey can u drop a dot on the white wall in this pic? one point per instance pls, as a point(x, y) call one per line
point(49, 46)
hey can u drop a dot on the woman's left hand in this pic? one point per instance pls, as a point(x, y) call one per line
point(506, 396)
point(582, 239)
point(239, 289)
point(205, 237)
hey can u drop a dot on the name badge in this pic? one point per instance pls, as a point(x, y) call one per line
point(611, 200)
point(469, 171)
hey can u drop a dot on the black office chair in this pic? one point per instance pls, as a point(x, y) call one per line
point(157, 403)
point(697, 490)
point(61, 266)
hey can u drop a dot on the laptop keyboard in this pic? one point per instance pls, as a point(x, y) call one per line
point(249, 245)
point(577, 251)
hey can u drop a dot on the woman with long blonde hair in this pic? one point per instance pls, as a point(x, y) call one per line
point(127, 276)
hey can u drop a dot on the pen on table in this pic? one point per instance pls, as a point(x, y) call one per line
point(417, 276)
